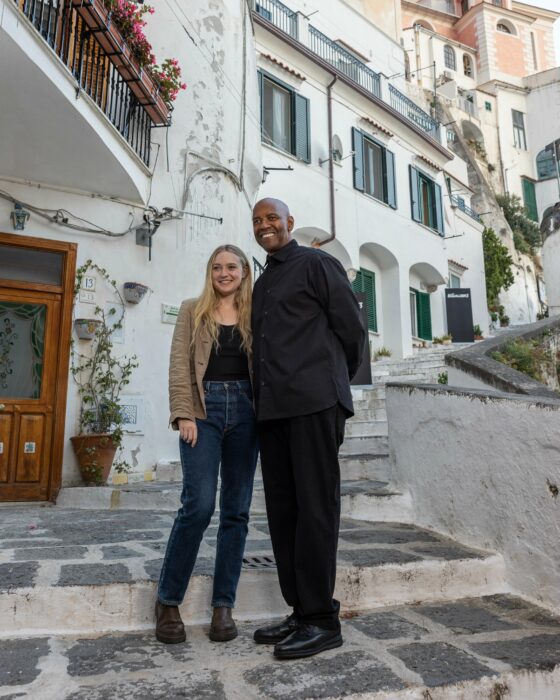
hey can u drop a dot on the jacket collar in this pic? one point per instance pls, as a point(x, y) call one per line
point(284, 253)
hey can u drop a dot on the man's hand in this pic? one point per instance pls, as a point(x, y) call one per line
point(188, 431)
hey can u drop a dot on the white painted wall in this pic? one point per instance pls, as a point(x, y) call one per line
point(453, 452)
point(551, 259)
point(207, 132)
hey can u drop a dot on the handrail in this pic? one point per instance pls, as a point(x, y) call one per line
point(278, 14)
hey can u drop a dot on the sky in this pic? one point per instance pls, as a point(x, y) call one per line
point(550, 5)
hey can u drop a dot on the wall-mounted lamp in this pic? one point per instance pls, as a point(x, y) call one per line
point(19, 216)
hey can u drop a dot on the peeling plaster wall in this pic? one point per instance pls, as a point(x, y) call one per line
point(454, 452)
point(206, 132)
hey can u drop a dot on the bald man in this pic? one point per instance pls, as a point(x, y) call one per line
point(308, 340)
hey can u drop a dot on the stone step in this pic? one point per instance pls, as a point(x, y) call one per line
point(367, 414)
point(370, 428)
point(65, 571)
point(487, 647)
point(407, 378)
point(365, 445)
point(375, 467)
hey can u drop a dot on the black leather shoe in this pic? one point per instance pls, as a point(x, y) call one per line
point(276, 633)
point(307, 640)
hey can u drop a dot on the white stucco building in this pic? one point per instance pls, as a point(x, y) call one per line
point(309, 109)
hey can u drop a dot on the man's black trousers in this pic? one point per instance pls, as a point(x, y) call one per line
point(301, 475)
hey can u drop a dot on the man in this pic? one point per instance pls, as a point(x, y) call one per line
point(308, 340)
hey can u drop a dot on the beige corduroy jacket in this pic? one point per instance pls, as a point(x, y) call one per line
point(187, 367)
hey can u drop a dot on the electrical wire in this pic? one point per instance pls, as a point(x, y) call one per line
point(61, 217)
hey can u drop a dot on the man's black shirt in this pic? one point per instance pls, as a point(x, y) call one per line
point(308, 336)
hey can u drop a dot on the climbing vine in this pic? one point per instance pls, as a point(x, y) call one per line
point(497, 266)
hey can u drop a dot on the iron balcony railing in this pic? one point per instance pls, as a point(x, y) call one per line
point(279, 15)
point(75, 44)
point(344, 61)
point(409, 109)
point(459, 202)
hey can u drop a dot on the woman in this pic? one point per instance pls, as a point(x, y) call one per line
point(211, 406)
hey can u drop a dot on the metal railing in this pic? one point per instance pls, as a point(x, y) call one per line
point(413, 112)
point(344, 61)
point(467, 106)
point(279, 15)
point(258, 269)
point(459, 202)
point(65, 32)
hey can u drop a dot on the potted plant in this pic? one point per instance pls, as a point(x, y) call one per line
point(477, 332)
point(100, 376)
point(446, 339)
point(134, 292)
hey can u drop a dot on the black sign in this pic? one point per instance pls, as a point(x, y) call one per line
point(458, 304)
point(363, 375)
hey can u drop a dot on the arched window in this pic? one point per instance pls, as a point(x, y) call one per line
point(449, 57)
point(425, 25)
point(505, 27)
point(467, 65)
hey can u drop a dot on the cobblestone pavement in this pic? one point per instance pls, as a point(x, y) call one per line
point(419, 647)
point(52, 546)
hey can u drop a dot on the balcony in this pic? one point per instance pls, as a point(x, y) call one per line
point(459, 202)
point(345, 63)
point(76, 112)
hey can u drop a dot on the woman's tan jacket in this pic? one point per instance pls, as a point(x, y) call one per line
point(187, 366)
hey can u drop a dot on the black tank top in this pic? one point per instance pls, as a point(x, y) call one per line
point(229, 361)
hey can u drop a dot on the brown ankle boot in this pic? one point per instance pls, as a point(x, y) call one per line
point(169, 626)
point(222, 627)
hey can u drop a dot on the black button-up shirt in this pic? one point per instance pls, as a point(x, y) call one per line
point(308, 335)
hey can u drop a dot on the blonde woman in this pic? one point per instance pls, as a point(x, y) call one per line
point(212, 408)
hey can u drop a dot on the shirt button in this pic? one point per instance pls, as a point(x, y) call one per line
point(268, 291)
point(262, 359)
point(266, 313)
point(262, 383)
point(262, 335)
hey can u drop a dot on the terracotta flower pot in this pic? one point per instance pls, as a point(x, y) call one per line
point(95, 454)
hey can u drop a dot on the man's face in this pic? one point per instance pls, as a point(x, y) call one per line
point(272, 225)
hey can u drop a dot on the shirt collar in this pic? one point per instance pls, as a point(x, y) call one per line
point(284, 253)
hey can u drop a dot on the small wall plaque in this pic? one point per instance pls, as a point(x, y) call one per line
point(169, 313)
point(29, 448)
point(88, 283)
point(87, 297)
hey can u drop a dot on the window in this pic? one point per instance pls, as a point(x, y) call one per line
point(467, 65)
point(497, 2)
point(420, 315)
point(519, 138)
point(374, 168)
point(365, 283)
point(488, 106)
point(263, 12)
point(464, 6)
point(451, 136)
point(530, 199)
point(426, 200)
point(546, 163)
point(449, 57)
point(505, 27)
point(284, 117)
point(454, 281)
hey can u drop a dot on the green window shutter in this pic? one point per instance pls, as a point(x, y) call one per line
point(424, 315)
point(358, 148)
point(365, 282)
point(301, 128)
point(391, 187)
point(414, 193)
point(530, 199)
point(439, 210)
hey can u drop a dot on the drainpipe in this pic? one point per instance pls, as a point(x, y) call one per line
point(317, 243)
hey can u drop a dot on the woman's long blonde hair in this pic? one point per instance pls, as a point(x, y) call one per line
point(208, 301)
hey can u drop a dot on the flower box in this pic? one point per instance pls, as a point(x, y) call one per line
point(109, 37)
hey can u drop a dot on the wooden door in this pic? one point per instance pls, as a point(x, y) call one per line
point(34, 342)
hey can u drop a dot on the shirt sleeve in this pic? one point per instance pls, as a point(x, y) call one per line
point(342, 309)
point(180, 386)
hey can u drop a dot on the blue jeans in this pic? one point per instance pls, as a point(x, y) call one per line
point(227, 444)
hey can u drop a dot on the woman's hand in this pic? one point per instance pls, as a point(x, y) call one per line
point(188, 431)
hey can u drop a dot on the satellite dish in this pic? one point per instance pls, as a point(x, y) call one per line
point(337, 151)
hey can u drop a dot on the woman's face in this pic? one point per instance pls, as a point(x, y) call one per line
point(227, 273)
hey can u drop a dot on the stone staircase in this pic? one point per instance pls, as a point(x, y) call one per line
point(425, 617)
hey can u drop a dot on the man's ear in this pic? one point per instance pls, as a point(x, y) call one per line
point(290, 223)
